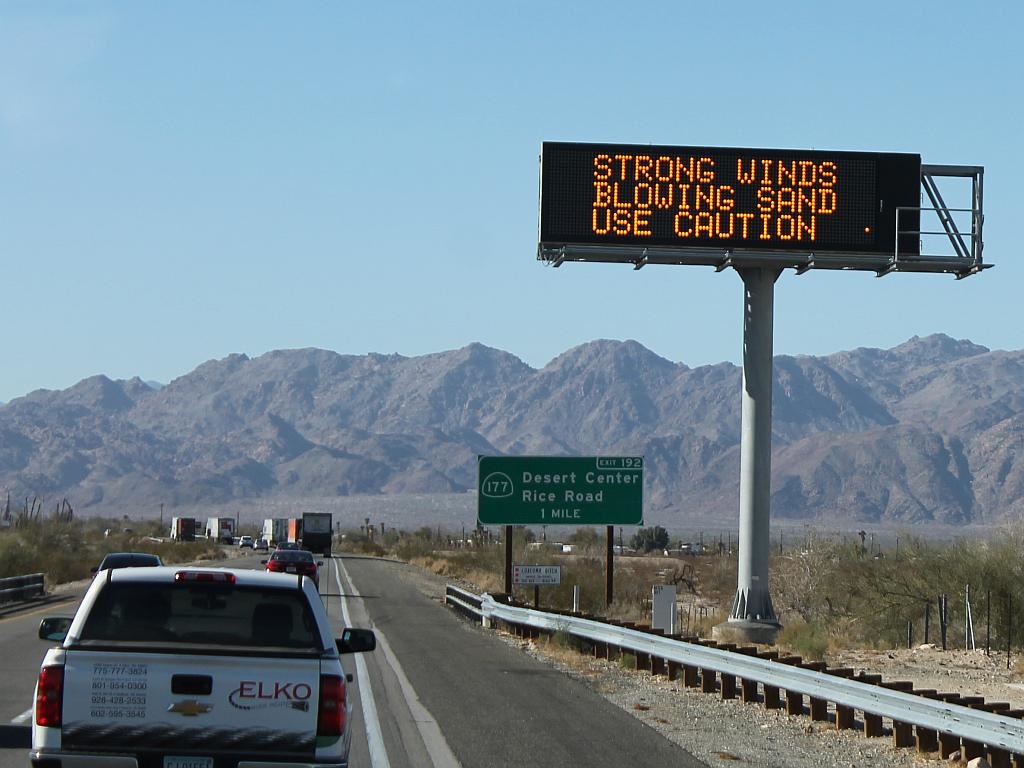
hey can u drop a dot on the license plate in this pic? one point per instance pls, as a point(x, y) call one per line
point(188, 762)
point(290, 569)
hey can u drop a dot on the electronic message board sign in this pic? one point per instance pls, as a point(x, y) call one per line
point(731, 199)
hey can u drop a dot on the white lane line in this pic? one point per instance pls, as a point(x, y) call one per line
point(374, 737)
point(25, 718)
point(441, 755)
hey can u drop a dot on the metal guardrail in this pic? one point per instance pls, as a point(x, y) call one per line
point(998, 732)
point(16, 588)
point(464, 602)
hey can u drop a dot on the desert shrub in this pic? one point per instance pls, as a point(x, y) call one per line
point(810, 641)
point(67, 550)
point(1018, 667)
point(563, 640)
point(371, 548)
point(702, 626)
point(409, 548)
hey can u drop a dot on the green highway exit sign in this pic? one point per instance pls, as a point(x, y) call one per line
point(560, 490)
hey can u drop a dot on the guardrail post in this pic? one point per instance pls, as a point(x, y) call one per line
point(844, 714)
point(927, 738)
point(728, 681)
point(902, 734)
point(872, 725)
point(818, 707)
point(844, 718)
point(794, 703)
point(691, 676)
point(999, 758)
point(674, 670)
point(948, 744)
point(872, 722)
point(794, 699)
point(998, 707)
point(657, 666)
point(708, 681)
point(972, 749)
point(772, 699)
point(748, 690)
point(728, 686)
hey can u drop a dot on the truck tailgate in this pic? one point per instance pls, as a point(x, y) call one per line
point(188, 703)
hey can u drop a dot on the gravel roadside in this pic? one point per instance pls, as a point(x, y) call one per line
point(724, 732)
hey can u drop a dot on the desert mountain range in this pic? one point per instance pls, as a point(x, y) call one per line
point(930, 431)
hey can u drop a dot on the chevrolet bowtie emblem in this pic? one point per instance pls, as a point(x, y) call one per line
point(190, 708)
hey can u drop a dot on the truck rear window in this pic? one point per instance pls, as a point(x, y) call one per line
point(202, 613)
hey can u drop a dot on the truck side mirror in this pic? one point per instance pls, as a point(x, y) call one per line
point(54, 628)
point(356, 640)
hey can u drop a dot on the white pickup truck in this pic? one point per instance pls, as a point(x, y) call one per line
point(169, 667)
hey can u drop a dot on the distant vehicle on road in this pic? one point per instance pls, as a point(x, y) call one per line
point(245, 541)
point(127, 560)
point(288, 545)
point(261, 545)
point(297, 561)
point(183, 528)
point(316, 532)
point(275, 530)
point(221, 529)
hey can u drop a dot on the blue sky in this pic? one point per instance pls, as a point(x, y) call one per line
point(186, 180)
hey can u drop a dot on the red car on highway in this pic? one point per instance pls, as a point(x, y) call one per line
point(297, 561)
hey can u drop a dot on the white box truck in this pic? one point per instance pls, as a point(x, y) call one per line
point(221, 529)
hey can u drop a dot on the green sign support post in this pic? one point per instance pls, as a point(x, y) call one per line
point(560, 490)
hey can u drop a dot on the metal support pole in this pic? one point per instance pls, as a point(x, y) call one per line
point(752, 616)
point(508, 560)
point(609, 587)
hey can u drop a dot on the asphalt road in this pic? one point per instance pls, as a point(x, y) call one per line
point(493, 705)
point(438, 692)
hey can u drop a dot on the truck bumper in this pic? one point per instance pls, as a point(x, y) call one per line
point(43, 759)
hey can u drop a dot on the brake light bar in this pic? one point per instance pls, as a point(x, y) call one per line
point(224, 577)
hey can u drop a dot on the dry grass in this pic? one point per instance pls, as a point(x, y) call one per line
point(1018, 667)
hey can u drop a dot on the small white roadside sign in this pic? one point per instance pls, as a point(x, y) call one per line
point(537, 574)
point(663, 608)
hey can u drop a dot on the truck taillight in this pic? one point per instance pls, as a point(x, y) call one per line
point(50, 696)
point(330, 719)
